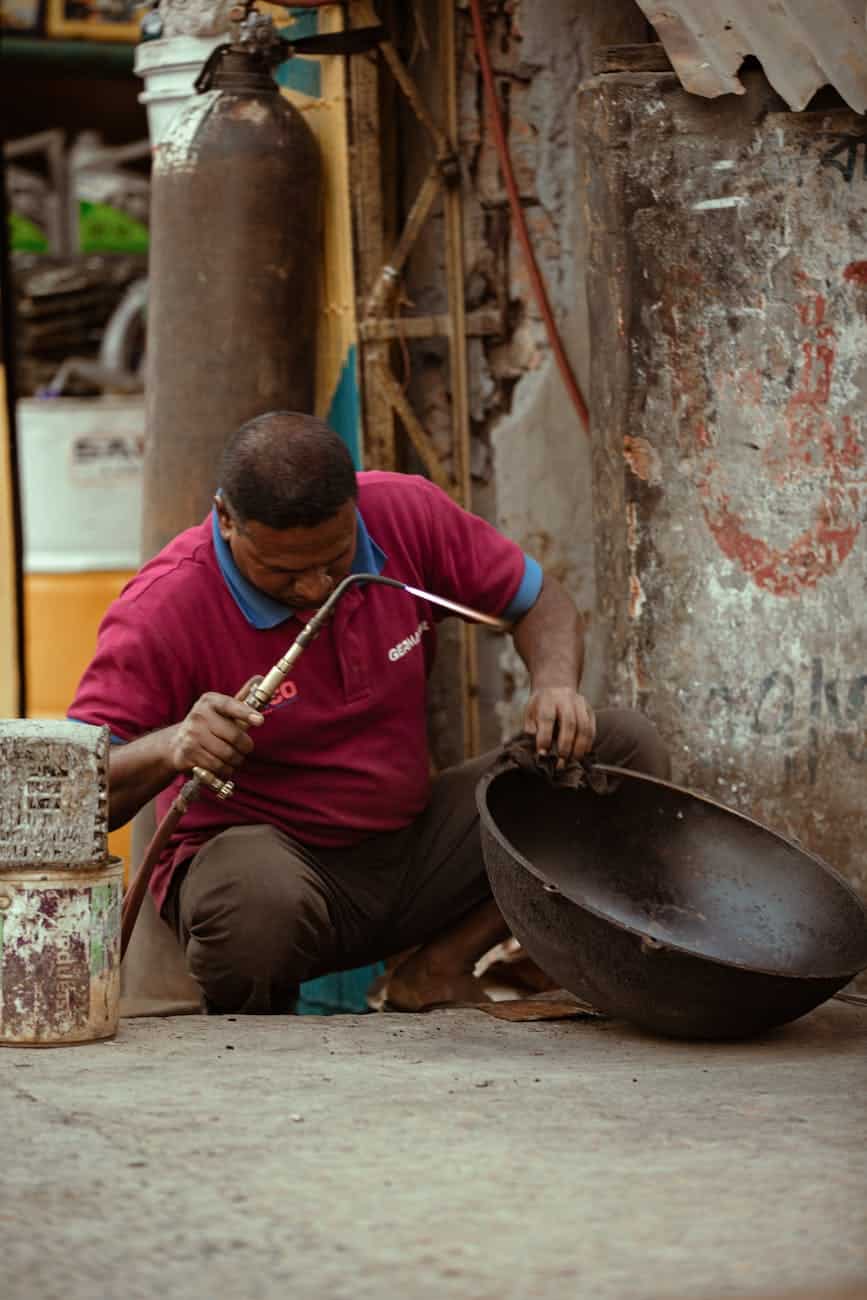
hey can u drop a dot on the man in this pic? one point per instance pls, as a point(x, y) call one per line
point(335, 849)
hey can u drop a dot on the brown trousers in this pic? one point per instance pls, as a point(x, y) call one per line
point(258, 914)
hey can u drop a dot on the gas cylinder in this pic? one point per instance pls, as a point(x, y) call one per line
point(234, 262)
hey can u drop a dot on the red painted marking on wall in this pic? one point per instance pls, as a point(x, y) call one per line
point(856, 272)
point(812, 312)
point(810, 445)
point(850, 452)
point(784, 572)
point(815, 381)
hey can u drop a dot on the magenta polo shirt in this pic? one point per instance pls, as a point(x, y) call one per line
point(342, 753)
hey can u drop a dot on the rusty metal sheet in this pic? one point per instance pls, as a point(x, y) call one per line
point(801, 45)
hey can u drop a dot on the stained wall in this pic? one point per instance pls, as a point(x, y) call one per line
point(728, 298)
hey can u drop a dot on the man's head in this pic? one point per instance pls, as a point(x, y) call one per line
point(286, 506)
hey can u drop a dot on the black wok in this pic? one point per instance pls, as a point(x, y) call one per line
point(665, 908)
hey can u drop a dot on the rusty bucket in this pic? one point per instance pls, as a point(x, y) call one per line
point(60, 889)
point(60, 955)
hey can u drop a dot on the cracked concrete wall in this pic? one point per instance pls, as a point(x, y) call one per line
point(729, 298)
point(531, 456)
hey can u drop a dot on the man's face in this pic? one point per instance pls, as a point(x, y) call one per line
point(299, 567)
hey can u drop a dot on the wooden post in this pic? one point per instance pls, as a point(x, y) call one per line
point(377, 440)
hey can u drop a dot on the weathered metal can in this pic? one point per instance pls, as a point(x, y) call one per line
point(60, 954)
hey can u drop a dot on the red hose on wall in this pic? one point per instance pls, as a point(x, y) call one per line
point(538, 284)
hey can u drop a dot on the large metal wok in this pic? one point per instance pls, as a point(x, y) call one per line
point(665, 908)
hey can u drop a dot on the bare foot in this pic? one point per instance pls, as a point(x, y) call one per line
point(418, 990)
point(518, 972)
point(441, 972)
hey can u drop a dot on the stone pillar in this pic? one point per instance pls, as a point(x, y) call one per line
point(728, 307)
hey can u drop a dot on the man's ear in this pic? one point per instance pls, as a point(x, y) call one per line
point(224, 519)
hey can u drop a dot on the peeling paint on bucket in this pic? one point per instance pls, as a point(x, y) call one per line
point(60, 954)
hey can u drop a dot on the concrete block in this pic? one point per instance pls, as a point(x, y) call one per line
point(53, 793)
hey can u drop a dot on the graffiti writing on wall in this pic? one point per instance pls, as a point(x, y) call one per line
point(811, 463)
point(844, 154)
point(801, 713)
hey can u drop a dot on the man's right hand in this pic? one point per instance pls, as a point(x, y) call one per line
point(213, 735)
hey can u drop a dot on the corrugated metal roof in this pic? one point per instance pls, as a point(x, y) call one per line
point(801, 45)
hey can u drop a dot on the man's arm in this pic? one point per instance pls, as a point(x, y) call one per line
point(550, 640)
point(213, 735)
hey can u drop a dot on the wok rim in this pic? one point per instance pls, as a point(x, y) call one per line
point(849, 974)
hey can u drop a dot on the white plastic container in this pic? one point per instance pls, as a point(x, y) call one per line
point(81, 482)
point(168, 68)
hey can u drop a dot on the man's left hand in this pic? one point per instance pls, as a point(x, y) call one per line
point(559, 713)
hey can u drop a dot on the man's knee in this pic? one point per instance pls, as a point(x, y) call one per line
point(255, 915)
point(255, 928)
point(626, 738)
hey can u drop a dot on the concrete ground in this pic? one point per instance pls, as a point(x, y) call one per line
point(447, 1155)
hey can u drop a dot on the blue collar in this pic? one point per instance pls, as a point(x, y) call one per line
point(263, 611)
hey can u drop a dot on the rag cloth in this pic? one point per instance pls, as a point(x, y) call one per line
point(575, 774)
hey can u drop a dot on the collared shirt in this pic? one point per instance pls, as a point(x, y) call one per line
point(342, 753)
point(263, 611)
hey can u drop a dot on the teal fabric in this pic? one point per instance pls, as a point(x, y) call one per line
point(298, 73)
point(342, 992)
point(344, 413)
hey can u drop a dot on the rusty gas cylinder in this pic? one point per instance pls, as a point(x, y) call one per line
point(60, 890)
point(234, 268)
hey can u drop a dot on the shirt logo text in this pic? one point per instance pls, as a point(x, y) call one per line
point(284, 694)
point(408, 643)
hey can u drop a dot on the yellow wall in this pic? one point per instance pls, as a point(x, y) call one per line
point(9, 680)
point(62, 612)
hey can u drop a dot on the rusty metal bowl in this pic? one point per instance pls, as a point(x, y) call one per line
point(665, 908)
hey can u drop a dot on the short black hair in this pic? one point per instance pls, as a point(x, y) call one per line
point(286, 470)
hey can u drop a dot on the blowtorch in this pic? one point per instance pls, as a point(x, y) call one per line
point(257, 697)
